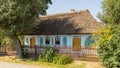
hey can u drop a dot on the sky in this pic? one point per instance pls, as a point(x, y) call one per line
point(61, 6)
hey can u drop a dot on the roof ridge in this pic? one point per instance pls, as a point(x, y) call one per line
point(64, 13)
point(74, 22)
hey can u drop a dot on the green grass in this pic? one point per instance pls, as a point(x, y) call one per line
point(43, 64)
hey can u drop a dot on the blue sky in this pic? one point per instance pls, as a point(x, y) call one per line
point(60, 6)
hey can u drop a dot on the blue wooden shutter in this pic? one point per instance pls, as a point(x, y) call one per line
point(64, 41)
point(41, 41)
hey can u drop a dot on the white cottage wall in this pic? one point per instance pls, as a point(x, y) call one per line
point(83, 38)
point(68, 37)
point(61, 40)
point(37, 40)
point(69, 40)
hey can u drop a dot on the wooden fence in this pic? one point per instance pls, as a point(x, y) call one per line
point(6, 50)
point(2, 50)
point(85, 53)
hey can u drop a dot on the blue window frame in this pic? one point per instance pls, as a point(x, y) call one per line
point(89, 41)
point(27, 40)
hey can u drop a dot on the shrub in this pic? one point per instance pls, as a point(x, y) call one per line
point(24, 52)
point(108, 40)
point(47, 54)
point(62, 59)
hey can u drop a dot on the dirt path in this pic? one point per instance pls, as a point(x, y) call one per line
point(13, 65)
point(93, 65)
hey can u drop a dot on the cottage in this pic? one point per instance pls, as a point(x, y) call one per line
point(72, 29)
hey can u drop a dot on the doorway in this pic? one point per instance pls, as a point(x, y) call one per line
point(32, 42)
point(76, 44)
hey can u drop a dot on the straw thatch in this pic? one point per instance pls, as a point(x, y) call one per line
point(75, 22)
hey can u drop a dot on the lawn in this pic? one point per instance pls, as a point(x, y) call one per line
point(74, 64)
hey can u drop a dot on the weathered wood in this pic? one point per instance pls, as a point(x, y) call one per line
point(5, 50)
point(86, 53)
point(76, 44)
point(2, 50)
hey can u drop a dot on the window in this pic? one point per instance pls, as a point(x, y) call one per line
point(89, 41)
point(41, 41)
point(27, 40)
point(47, 40)
point(65, 41)
point(57, 41)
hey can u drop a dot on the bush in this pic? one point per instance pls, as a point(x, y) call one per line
point(62, 59)
point(24, 52)
point(108, 40)
point(47, 54)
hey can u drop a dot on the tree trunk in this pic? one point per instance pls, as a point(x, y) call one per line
point(17, 44)
point(36, 55)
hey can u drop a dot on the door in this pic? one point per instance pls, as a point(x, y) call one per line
point(76, 44)
point(32, 42)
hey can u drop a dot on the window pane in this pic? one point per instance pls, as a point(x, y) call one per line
point(89, 41)
point(27, 40)
point(47, 40)
point(57, 41)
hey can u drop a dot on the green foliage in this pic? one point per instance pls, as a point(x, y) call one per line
point(21, 38)
point(62, 59)
point(47, 54)
point(24, 52)
point(6, 41)
point(1, 35)
point(17, 16)
point(89, 41)
point(111, 11)
point(108, 40)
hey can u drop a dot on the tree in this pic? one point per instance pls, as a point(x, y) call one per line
point(108, 38)
point(1, 35)
point(111, 12)
point(18, 16)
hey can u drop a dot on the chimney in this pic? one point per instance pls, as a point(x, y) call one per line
point(72, 10)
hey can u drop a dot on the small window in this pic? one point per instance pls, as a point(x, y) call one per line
point(64, 41)
point(47, 40)
point(41, 41)
point(89, 41)
point(57, 41)
point(27, 40)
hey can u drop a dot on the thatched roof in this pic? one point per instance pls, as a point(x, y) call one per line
point(75, 22)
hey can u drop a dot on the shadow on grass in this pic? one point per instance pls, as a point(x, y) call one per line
point(30, 59)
